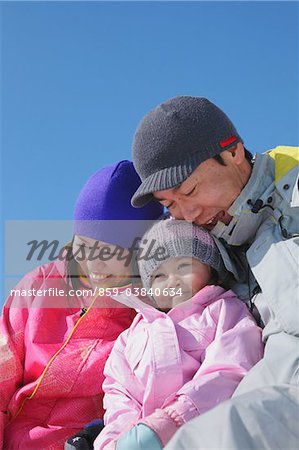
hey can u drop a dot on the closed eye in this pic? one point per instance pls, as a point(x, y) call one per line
point(191, 192)
point(183, 265)
point(184, 269)
point(158, 275)
point(169, 205)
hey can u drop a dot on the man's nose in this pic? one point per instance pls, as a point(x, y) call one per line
point(190, 211)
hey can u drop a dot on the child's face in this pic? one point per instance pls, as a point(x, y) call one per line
point(100, 262)
point(184, 273)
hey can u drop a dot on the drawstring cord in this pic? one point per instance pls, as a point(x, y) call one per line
point(252, 308)
point(251, 304)
point(82, 315)
point(284, 232)
point(258, 205)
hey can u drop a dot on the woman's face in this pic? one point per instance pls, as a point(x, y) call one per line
point(185, 275)
point(104, 265)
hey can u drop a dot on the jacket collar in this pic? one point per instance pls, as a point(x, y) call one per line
point(245, 222)
point(200, 300)
point(257, 187)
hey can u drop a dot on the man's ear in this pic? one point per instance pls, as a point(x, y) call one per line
point(237, 153)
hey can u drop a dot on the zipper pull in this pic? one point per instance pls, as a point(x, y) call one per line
point(83, 311)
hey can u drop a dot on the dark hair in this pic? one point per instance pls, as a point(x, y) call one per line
point(248, 156)
point(72, 269)
point(214, 276)
point(226, 282)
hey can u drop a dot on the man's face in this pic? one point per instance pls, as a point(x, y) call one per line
point(205, 197)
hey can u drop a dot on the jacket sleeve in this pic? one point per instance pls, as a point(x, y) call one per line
point(122, 406)
point(235, 348)
point(275, 265)
point(12, 326)
point(13, 323)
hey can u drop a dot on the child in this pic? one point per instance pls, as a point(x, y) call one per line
point(182, 356)
point(53, 349)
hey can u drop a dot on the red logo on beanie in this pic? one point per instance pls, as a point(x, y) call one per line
point(228, 141)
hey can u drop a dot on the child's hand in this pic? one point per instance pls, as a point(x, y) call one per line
point(140, 437)
point(84, 439)
point(163, 424)
point(152, 432)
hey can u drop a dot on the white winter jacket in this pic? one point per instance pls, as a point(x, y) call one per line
point(266, 221)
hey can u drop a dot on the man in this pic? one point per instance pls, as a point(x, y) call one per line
point(191, 158)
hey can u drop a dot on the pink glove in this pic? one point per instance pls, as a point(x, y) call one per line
point(163, 424)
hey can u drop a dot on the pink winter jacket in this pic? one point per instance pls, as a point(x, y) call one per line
point(32, 329)
point(191, 359)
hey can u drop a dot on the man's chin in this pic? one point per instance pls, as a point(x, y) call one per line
point(207, 227)
point(222, 217)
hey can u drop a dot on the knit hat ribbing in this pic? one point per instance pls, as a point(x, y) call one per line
point(103, 210)
point(173, 139)
point(178, 238)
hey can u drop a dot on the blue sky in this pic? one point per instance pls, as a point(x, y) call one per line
point(77, 77)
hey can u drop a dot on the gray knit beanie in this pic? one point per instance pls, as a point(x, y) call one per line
point(173, 139)
point(171, 238)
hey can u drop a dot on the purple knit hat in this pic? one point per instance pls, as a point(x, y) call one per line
point(103, 209)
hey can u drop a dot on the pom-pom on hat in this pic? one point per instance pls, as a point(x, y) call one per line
point(103, 209)
point(173, 139)
point(178, 238)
